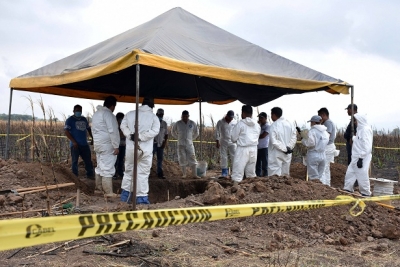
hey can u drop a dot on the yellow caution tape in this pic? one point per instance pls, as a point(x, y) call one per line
point(18, 233)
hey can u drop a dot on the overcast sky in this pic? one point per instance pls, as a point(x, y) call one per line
point(355, 41)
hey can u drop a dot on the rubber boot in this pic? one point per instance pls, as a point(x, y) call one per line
point(194, 172)
point(224, 172)
point(99, 187)
point(183, 171)
point(108, 187)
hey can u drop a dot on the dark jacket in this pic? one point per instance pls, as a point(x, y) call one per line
point(347, 133)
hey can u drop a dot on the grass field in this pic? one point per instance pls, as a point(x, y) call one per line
point(46, 140)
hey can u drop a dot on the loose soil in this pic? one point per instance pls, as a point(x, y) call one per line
point(322, 237)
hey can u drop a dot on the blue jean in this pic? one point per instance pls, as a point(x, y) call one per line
point(84, 152)
point(119, 164)
point(160, 155)
point(262, 162)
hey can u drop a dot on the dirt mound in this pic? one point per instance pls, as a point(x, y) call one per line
point(219, 243)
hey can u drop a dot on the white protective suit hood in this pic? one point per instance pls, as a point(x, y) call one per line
point(246, 132)
point(361, 120)
point(320, 127)
point(249, 121)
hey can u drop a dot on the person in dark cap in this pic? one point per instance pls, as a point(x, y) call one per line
point(223, 140)
point(159, 143)
point(347, 134)
point(262, 147)
point(148, 128)
point(185, 131)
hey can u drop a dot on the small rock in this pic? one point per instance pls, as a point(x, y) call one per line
point(382, 247)
point(155, 233)
point(278, 236)
point(240, 193)
point(377, 234)
point(230, 199)
point(177, 197)
point(329, 241)
point(390, 231)
point(328, 229)
point(15, 199)
point(235, 228)
point(370, 238)
point(260, 187)
point(2, 200)
point(213, 194)
point(359, 239)
point(343, 241)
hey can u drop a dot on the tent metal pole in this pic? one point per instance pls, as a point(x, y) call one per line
point(8, 125)
point(201, 131)
point(352, 110)
point(201, 124)
point(135, 155)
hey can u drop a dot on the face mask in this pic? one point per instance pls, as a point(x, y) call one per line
point(77, 114)
point(160, 118)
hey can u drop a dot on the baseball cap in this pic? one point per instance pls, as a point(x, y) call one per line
point(262, 114)
point(185, 112)
point(160, 111)
point(315, 118)
point(230, 114)
point(349, 106)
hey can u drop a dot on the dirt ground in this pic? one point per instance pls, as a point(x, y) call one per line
point(322, 237)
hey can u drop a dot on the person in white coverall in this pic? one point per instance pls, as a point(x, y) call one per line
point(106, 143)
point(330, 150)
point(361, 155)
point(223, 140)
point(316, 140)
point(148, 128)
point(185, 131)
point(245, 134)
point(282, 139)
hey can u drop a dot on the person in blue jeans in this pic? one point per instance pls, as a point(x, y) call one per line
point(159, 143)
point(119, 164)
point(262, 147)
point(76, 128)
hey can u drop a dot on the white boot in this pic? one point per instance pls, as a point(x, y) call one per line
point(99, 187)
point(183, 171)
point(194, 171)
point(108, 187)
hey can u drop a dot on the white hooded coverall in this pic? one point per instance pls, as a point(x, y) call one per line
point(149, 126)
point(316, 143)
point(361, 149)
point(330, 151)
point(282, 134)
point(185, 133)
point(245, 134)
point(223, 135)
point(106, 139)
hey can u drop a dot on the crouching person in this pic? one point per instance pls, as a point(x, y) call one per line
point(148, 128)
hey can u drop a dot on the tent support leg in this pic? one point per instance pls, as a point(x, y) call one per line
point(135, 155)
point(8, 125)
point(201, 123)
point(201, 132)
point(352, 110)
